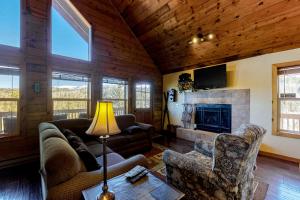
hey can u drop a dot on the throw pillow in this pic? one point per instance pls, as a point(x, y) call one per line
point(132, 129)
point(82, 150)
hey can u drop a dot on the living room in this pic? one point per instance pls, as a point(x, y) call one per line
point(155, 99)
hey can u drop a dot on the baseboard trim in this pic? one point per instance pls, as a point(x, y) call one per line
point(280, 157)
point(19, 161)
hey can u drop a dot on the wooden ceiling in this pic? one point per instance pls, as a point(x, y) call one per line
point(244, 28)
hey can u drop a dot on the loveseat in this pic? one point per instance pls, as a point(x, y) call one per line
point(63, 173)
point(219, 168)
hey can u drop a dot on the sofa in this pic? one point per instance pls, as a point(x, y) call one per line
point(126, 144)
point(63, 173)
point(219, 168)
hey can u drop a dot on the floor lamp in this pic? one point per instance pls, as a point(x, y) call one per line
point(103, 125)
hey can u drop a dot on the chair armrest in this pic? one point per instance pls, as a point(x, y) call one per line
point(230, 155)
point(146, 127)
point(72, 188)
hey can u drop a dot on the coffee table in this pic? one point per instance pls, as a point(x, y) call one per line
point(150, 187)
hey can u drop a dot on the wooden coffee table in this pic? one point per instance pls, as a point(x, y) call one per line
point(150, 187)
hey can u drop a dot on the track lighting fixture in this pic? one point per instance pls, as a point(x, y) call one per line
point(202, 38)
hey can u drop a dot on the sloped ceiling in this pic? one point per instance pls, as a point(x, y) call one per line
point(244, 28)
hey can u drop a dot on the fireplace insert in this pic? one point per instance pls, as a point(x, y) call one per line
point(213, 117)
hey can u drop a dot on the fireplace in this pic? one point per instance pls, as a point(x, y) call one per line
point(213, 117)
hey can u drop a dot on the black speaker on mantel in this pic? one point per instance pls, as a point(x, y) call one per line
point(172, 95)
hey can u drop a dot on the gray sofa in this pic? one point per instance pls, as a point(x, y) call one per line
point(219, 168)
point(126, 144)
point(63, 173)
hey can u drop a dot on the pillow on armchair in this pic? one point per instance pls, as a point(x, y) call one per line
point(132, 129)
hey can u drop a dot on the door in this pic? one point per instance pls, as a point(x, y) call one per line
point(143, 102)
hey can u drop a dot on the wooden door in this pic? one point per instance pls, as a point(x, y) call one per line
point(142, 102)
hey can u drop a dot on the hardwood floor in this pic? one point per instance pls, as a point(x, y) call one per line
point(23, 182)
point(20, 183)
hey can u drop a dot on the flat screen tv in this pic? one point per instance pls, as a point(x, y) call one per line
point(210, 77)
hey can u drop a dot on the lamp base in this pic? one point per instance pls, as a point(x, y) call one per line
point(106, 196)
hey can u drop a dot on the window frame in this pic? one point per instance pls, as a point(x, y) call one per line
point(144, 100)
point(18, 101)
point(276, 101)
point(126, 93)
point(88, 100)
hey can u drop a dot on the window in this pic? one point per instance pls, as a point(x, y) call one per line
point(142, 95)
point(71, 33)
point(10, 14)
point(9, 100)
point(288, 100)
point(116, 90)
point(71, 95)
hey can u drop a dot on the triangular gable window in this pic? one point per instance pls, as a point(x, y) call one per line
point(10, 17)
point(71, 33)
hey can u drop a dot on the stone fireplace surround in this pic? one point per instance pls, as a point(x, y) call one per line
point(238, 98)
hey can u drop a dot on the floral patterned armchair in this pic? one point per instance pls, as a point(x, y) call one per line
point(219, 168)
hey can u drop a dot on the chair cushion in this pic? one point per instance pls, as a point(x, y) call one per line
point(112, 159)
point(82, 150)
point(136, 137)
point(96, 148)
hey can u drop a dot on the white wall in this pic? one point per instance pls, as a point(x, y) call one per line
point(256, 74)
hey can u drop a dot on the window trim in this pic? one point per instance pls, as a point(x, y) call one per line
point(275, 99)
point(126, 101)
point(88, 100)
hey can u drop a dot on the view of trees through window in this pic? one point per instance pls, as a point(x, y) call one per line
point(9, 100)
point(116, 90)
point(142, 95)
point(70, 95)
point(289, 99)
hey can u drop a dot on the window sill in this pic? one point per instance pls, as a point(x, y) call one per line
point(287, 134)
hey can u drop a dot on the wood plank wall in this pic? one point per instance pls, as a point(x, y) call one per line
point(115, 52)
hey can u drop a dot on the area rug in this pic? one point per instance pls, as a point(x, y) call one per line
point(154, 159)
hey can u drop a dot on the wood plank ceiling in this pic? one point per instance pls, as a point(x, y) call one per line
point(244, 28)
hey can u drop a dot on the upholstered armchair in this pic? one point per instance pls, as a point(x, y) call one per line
point(219, 167)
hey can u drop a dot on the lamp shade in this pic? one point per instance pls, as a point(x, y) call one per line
point(104, 122)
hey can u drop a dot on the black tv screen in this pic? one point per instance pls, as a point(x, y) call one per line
point(210, 77)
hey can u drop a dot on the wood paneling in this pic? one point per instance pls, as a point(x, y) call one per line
point(243, 29)
point(115, 52)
